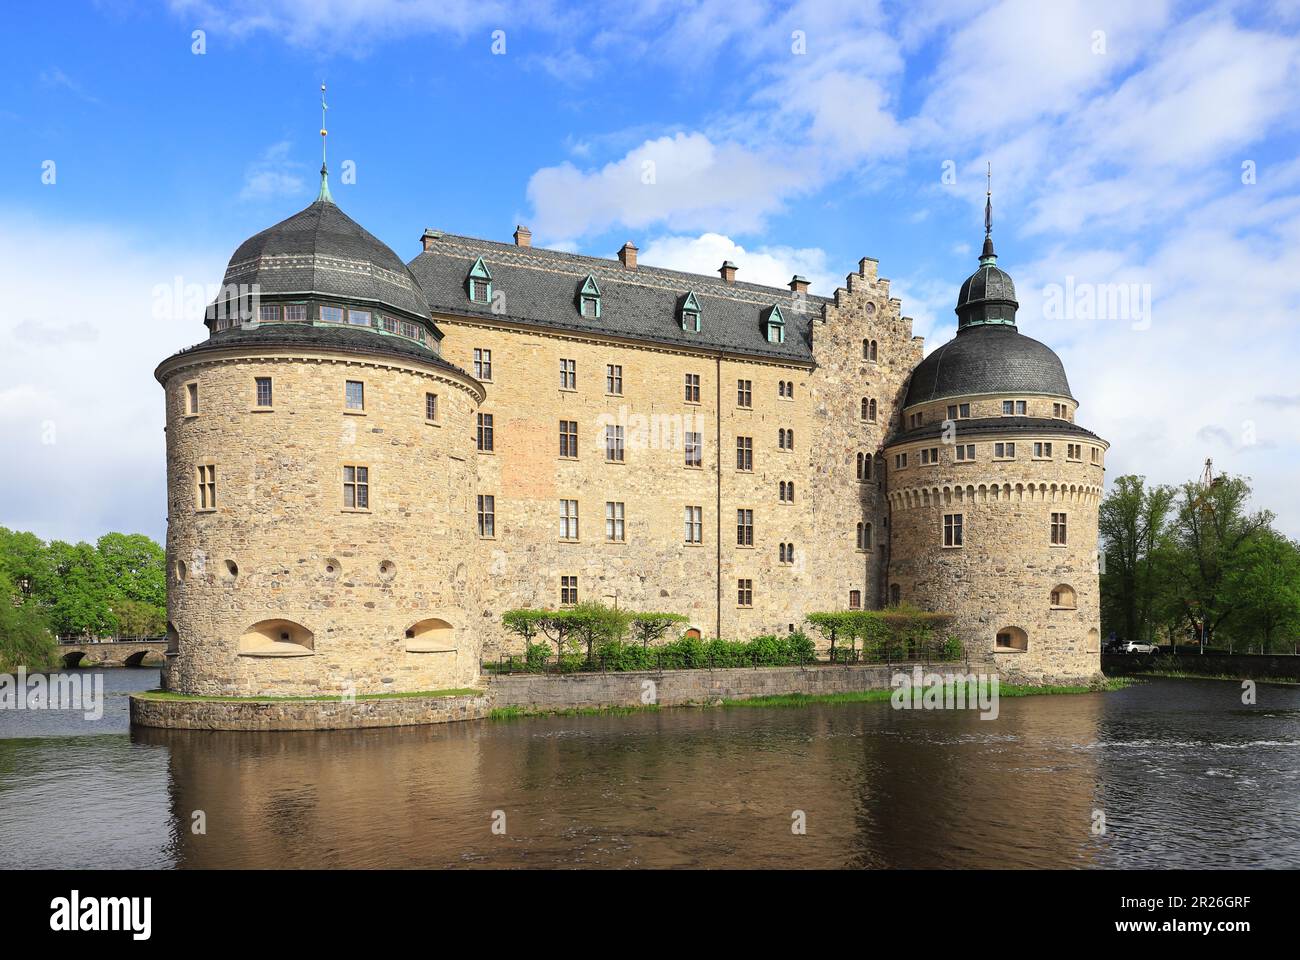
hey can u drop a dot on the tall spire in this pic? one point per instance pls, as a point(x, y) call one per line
point(324, 171)
point(987, 256)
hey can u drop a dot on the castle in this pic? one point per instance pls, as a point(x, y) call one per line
point(369, 461)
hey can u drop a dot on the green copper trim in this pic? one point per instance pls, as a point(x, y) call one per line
point(324, 186)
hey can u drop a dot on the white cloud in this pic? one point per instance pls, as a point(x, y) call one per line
point(773, 266)
point(274, 174)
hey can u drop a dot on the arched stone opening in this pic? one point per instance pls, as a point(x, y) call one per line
point(73, 660)
point(1012, 638)
point(1094, 641)
point(277, 638)
point(173, 639)
point(1063, 597)
point(692, 633)
point(431, 635)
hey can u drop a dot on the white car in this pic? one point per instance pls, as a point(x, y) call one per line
point(1137, 646)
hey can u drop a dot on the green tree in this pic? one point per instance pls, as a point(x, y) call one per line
point(135, 566)
point(80, 597)
point(651, 627)
point(1265, 583)
point(25, 639)
point(1134, 526)
point(594, 623)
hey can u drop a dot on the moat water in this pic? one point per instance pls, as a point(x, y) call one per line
point(1183, 774)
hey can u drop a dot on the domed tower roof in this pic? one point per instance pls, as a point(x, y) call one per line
point(988, 355)
point(320, 253)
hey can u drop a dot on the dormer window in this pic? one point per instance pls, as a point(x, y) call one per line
point(480, 282)
point(589, 298)
point(690, 314)
point(774, 324)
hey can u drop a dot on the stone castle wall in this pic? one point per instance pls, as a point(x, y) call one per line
point(280, 545)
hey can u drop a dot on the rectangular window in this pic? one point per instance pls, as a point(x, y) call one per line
point(614, 444)
point(900, 461)
point(745, 453)
point(568, 519)
point(484, 436)
point(1020, 408)
point(744, 593)
point(206, 493)
point(263, 391)
point(487, 515)
point(1042, 451)
point(568, 374)
point(431, 407)
point(295, 312)
point(694, 449)
point(1096, 455)
point(958, 411)
point(268, 312)
point(359, 318)
point(614, 521)
point(390, 325)
point(744, 393)
point(1058, 529)
point(1004, 451)
point(614, 379)
point(590, 307)
point(965, 451)
point(1074, 451)
point(354, 395)
point(482, 364)
point(692, 388)
point(413, 330)
point(478, 290)
point(952, 532)
point(331, 314)
point(191, 398)
point(694, 524)
point(855, 599)
point(929, 455)
point(568, 591)
point(569, 439)
point(356, 488)
point(744, 528)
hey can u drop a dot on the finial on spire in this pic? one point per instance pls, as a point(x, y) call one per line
point(987, 256)
point(324, 171)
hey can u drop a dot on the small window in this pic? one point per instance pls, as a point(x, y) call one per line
point(568, 591)
point(694, 449)
point(952, 529)
point(569, 439)
point(916, 420)
point(692, 388)
point(965, 452)
point(1096, 455)
point(1074, 451)
point(295, 312)
point(868, 409)
point(785, 491)
point(479, 282)
point(744, 593)
point(690, 316)
point(864, 467)
point(900, 461)
point(745, 453)
point(744, 393)
point(412, 331)
point(431, 407)
point(929, 455)
point(786, 553)
point(855, 599)
point(331, 314)
point(268, 313)
point(614, 379)
point(568, 519)
point(1042, 450)
point(1004, 451)
point(356, 487)
point(1058, 530)
point(744, 528)
point(192, 399)
point(483, 437)
point(589, 298)
point(206, 493)
point(487, 516)
point(482, 364)
point(694, 524)
point(354, 395)
point(864, 536)
point(390, 325)
point(614, 530)
point(568, 374)
point(1063, 597)
point(359, 318)
point(1012, 638)
point(263, 386)
point(614, 449)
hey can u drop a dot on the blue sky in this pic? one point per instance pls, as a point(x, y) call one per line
point(1151, 145)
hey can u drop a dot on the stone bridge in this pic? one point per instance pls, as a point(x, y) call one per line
point(114, 653)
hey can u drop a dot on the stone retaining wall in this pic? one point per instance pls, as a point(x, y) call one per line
point(304, 714)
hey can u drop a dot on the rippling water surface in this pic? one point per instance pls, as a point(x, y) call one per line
point(1184, 774)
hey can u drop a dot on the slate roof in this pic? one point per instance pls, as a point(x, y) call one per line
point(988, 359)
point(354, 340)
point(985, 426)
point(541, 287)
point(321, 250)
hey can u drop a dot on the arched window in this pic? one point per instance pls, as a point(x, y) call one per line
point(872, 412)
point(430, 636)
point(868, 409)
point(864, 466)
point(864, 536)
point(692, 633)
point(1063, 597)
point(872, 358)
point(277, 638)
point(1012, 638)
point(866, 349)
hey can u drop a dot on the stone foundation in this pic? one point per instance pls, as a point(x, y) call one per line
point(279, 715)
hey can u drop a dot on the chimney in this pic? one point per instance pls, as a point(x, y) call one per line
point(523, 236)
point(728, 272)
point(427, 238)
point(798, 284)
point(627, 256)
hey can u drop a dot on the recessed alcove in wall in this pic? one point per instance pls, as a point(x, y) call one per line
point(1094, 639)
point(1012, 639)
point(181, 570)
point(173, 639)
point(430, 636)
point(387, 570)
point(277, 638)
point(330, 567)
point(232, 569)
point(1063, 597)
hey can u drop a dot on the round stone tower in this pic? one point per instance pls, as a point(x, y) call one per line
point(993, 492)
point(320, 529)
